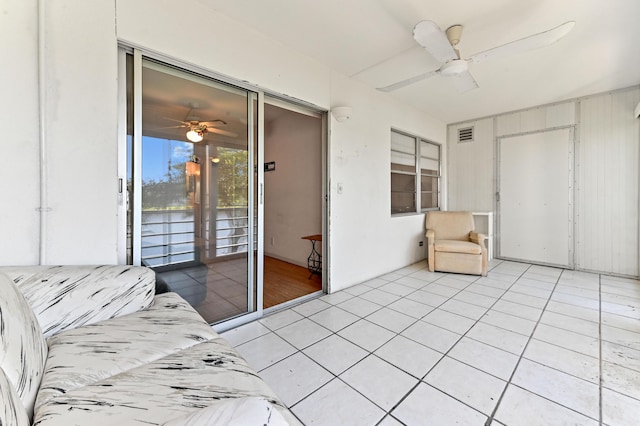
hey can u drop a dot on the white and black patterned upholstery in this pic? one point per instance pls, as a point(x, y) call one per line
point(117, 355)
point(23, 349)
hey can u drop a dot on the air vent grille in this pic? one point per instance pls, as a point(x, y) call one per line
point(465, 134)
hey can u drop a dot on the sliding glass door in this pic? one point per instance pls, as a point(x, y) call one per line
point(192, 186)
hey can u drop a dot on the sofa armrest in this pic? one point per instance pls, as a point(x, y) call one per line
point(477, 238)
point(65, 297)
point(431, 237)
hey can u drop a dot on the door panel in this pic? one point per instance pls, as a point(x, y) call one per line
point(535, 197)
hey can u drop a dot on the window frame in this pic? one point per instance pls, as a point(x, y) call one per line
point(417, 173)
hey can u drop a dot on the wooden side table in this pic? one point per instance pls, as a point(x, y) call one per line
point(314, 261)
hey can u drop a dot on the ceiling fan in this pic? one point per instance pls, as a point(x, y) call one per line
point(197, 128)
point(443, 47)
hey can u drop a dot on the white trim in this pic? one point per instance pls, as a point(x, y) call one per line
point(137, 158)
point(122, 158)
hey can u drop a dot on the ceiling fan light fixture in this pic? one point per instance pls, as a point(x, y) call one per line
point(194, 135)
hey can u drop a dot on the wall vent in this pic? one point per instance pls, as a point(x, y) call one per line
point(465, 134)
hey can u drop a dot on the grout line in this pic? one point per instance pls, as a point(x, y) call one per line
point(495, 409)
point(600, 348)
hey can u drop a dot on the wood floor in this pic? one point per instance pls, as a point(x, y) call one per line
point(284, 281)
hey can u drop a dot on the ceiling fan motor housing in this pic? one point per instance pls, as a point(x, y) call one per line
point(453, 68)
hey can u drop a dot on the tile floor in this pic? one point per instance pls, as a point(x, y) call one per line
point(526, 345)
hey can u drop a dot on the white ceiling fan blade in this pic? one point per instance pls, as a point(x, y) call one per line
point(431, 37)
point(464, 82)
point(542, 39)
point(407, 82)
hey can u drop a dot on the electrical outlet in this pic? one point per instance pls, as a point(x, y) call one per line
point(421, 243)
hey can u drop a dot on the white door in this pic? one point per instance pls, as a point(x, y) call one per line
point(535, 201)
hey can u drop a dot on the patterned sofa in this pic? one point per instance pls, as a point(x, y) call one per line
point(94, 345)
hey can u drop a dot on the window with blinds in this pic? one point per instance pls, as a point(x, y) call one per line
point(415, 174)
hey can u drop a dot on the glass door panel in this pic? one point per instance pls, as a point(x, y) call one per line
point(197, 188)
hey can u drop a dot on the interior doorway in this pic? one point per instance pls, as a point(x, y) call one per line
point(293, 202)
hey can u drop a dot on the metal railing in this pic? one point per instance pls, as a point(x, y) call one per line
point(168, 236)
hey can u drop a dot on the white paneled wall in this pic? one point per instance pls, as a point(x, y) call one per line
point(607, 161)
point(607, 190)
point(471, 168)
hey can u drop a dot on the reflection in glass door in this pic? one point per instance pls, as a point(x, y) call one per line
point(190, 187)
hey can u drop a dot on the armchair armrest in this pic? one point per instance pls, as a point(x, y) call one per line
point(431, 237)
point(65, 297)
point(478, 238)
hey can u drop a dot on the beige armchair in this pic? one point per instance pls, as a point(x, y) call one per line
point(452, 244)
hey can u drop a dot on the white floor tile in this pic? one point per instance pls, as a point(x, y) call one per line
point(412, 282)
point(522, 288)
point(573, 311)
point(485, 290)
point(454, 282)
point(379, 381)
point(524, 299)
point(484, 357)
point(427, 298)
point(432, 336)
point(498, 337)
point(567, 390)
point(367, 335)
point(517, 309)
point(568, 361)
point(359, 289)
point(441, 409)
point(337, 297)
point(469, 296)
point(412, 357)
point(621, 336)
point(440, 289)
point(397, 289)
point(380, 297)
point(295, 377)
point(392, 276)
point(425, 275)
point(577, 325)
point(281, 319)
point(409, 307)
point(465, 309)
point(570, 299)
point(621, 379)
point(509, 322)
point(620, 321)
point(337, 404)
point(621, 355)
point(334, 318)
point(467, 384)
point(335, 353)
point(264, 351)
point(587, 345)
point(359, 306)
point(630, 311)
point(389, 421)
point(311, 307)
point(523, 408)
point(619, 410)
point(240, 335)
point(303, 333)
point(448, 321)
point(375, 282)
point(391, 320)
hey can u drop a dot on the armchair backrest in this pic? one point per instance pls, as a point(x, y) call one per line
point(450, 225)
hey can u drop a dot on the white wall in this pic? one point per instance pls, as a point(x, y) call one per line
point(19, 183)
point(607, 164)
point(82, 107)
point(293, 191)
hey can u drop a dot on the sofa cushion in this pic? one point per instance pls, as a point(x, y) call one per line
point(23, 349)
point(65, 297)
point(89, 354)
point(173, 386)
point(12, 412)
point(233, 412)
point(455, 246)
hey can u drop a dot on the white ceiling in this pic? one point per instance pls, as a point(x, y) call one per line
point(371, 40)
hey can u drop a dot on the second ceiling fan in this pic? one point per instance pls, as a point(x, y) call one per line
point(442, 46)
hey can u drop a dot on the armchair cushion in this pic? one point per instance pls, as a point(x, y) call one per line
point(12, 412)
point(455, 246)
